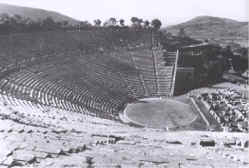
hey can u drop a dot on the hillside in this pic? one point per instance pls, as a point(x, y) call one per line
point(220, 30)
point(34, 14)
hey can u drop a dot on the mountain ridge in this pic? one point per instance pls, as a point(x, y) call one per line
point(215, 29)
point(35, 14)
point(219, 30)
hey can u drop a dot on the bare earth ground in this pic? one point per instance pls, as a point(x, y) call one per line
point(35, 136)
point(161, 113)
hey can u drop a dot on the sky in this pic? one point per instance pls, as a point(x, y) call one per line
point(168, 11)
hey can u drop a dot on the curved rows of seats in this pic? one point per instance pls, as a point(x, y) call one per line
point(156, 74)
point(26, 85)
point(169, 59)
point(129, 73)
point(85, 70)
point(97, 63)
point(144, 62)
point(111, 73)
point(64, 69)
point(97, 83)
point(52, 69)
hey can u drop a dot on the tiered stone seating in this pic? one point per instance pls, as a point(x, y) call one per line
point(156, 74)
point(165, 81)
point(57, 95)
point(93, 72)
point(144, 62)
point(60, 67)
point(129, 74)
point(55, 132)
point(109, 72)
point(170, 58)
point(166, 73)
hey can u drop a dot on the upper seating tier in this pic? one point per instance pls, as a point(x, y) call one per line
point(99, 70)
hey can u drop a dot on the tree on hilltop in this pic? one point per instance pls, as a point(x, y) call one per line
point(84, 24)
point(133, 20)
point(156, 24)
point(110, 22)
point(97, 22)
point(113, 21)
point(122, 22)
point(136, 22)
point(146, 24)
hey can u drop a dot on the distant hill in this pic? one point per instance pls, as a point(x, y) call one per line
point(35, 14)
point(219, 30)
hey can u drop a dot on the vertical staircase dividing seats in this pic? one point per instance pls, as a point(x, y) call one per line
point(174, 74)
point(155, 45)
point(164, 65)
point(103, 89)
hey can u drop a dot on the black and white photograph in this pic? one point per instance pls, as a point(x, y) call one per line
point(124, 84)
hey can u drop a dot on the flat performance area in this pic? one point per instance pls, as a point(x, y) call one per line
point(160, 113)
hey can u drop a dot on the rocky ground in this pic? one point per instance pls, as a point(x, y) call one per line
point(38, 136)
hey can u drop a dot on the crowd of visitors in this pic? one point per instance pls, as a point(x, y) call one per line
point(229, 107)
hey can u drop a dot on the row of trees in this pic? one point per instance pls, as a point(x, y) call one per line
point(17, 23)
point(136, 22)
